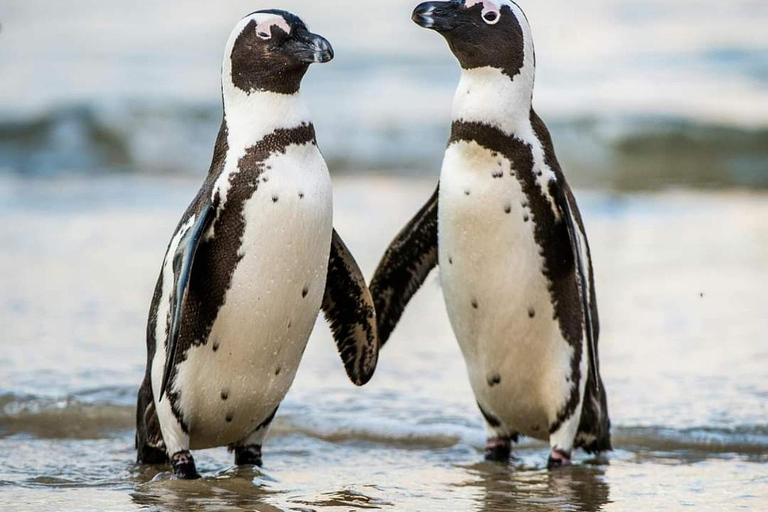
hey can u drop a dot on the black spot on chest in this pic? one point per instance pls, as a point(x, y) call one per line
point(550, 233)
point(218, 256)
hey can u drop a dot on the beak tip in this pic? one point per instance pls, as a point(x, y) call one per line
point(422, 15)
point(324, 56)
point(320, 51)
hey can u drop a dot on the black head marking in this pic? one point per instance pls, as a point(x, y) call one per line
point(273, 51)
point(480, 33)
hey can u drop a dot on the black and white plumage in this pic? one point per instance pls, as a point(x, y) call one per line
point(252, 261)
point(505, 229)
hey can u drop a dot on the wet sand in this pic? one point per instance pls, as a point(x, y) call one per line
point(681, 281)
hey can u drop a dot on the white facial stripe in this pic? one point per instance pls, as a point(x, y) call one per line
point(491, 10)
point(264, 28)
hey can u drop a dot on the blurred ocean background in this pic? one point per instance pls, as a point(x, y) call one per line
point(659, 111)
point(639, 95)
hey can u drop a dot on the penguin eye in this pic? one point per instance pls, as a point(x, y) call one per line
point(264, 34)
point(491, 13)
point(491, 17)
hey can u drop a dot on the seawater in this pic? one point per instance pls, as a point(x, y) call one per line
point(681, 280)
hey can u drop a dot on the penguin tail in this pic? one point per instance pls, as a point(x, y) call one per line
point(150, 448)
point(594, 434)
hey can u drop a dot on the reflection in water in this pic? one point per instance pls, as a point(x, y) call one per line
point(580, 487)
point(233, 489)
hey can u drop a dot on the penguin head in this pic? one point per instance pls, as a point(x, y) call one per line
point(481, 33)
point(271, 50)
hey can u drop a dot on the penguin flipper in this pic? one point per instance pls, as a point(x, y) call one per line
point(349, 309)
point(183, 258)
point(409, 259)
point(583, 270)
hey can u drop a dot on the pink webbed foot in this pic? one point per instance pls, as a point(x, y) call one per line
point(558, 459)
point(498, 450)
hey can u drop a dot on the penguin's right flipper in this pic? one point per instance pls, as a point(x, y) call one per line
point(409, 259)
point(583, 273)
point(348, 307)
point(183, 259)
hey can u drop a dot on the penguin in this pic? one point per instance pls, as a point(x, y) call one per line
point(251, 263)
point(506, 232)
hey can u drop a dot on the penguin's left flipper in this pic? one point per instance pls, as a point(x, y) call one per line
point(581, 262)
point(348, 307)
point(183, 259)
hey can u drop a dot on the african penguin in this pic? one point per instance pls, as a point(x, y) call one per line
point(514, 261)
point(252, 261)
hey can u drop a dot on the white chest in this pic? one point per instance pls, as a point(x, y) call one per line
point(270, 308)
point(495, 293)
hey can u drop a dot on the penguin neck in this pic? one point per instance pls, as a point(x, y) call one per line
point(489, 96)
point(251, 116)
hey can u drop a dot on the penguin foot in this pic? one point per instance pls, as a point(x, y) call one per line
point(558, 459)
point(184, 465)
point(248, 455)
point(498, 450)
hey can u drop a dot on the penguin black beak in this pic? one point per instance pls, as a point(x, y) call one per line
point(311, 48)
point(437, 16)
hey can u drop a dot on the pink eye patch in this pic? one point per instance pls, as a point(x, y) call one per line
point(491, 11)
point(264, 29)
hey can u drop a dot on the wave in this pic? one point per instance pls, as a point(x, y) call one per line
point(71, 417)
point(622, 153)
point(89, 416)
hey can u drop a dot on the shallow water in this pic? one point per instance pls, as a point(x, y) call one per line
point(681, 281)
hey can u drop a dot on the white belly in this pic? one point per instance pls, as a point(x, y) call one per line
point(495, 293)
point(262, 329)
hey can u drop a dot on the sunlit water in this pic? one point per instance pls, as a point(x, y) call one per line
point(681, 280)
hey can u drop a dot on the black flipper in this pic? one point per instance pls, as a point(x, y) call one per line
point(410, 257)
point(349, 309)
point(583, 271)
point(183, 259)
